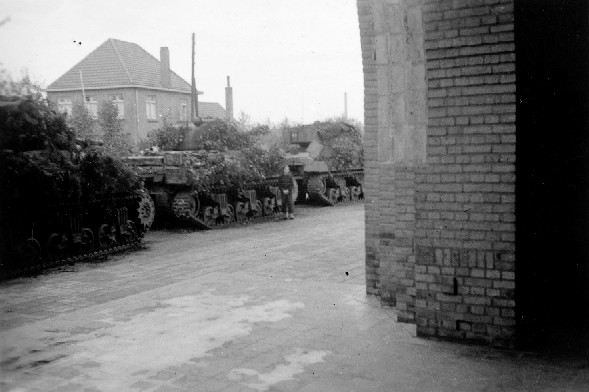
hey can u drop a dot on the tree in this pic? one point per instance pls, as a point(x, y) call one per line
point(348, 120)
point(116, 143)
point(244, 121)
point(20, 88)
point(82, 122)
point(166, 138)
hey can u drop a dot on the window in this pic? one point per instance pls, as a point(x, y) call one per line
point(92, 106)
point(119, 102)
point(64, 105)
point(183, 110)
point(150, 107)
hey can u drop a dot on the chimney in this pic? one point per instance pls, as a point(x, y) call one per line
point(229, 100)
point(165, 67)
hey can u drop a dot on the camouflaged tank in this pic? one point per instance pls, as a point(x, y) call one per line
point(207, 188)
point(62, 201)
point(328, 163)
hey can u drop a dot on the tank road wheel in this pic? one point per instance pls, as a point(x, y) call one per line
point(56, 247)
point(333, 194)
point(354, 193)
point(146, 210)
point(107, 236)
point(208, 215)
point(360, 191)
point(268, 206)
point(258, 209)
point(344, 191)
point(86, 244)
point(229, 214)
point(132, 233)
point(29, 251)
point(345, 194)
point(186, 206)
point(241, 210)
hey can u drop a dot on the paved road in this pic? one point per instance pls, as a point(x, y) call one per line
point(276, 306)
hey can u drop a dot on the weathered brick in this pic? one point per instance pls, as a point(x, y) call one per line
point(463, 197)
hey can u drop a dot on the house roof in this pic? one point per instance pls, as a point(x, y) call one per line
point(116, 64)
point(210, 110)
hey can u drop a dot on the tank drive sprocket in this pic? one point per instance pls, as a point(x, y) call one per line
point(186, 206)
point(317, 188)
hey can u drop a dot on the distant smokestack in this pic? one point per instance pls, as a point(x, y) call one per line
point(346, 106)
point(165, 66)
point(229, 100)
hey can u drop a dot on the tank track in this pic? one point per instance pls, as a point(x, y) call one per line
point(67, 233)
point(46, 264)
point(217, 209)
point(331, 189)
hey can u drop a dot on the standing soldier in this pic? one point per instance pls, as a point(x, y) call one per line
point(286, 185)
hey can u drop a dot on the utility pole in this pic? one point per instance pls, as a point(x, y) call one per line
point(194, 95)
point(345, 106)
point(83, 92)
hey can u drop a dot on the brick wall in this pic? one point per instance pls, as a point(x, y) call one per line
point(128, 118)
point(440, 231)
point(365, 15)
point(134, 121)
point(167, 104)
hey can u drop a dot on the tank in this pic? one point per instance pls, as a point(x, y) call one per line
point(327, 162)
point(212, 187)
point(63, 200)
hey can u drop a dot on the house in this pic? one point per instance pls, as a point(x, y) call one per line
point(145, 90)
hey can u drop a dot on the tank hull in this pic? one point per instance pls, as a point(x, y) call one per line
point(172, 181)
point(321, 186)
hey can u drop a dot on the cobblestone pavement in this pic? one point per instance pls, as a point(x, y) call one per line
point(275, 306)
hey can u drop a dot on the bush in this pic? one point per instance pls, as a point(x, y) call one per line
point(40, 161)
point(241, 158)
point(116, 143)
point(30, 124)
point(345, 143)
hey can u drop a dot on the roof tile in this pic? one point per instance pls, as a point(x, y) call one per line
point(116, 63)
point(211, 110)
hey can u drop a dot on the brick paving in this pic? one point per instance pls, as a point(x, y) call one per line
point(275, 306)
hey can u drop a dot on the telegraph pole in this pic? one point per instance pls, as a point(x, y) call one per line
point(83, 92)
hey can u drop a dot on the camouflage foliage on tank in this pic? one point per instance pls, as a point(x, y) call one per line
point(58, 191)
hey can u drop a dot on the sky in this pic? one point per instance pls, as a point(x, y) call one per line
point(290, 59)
